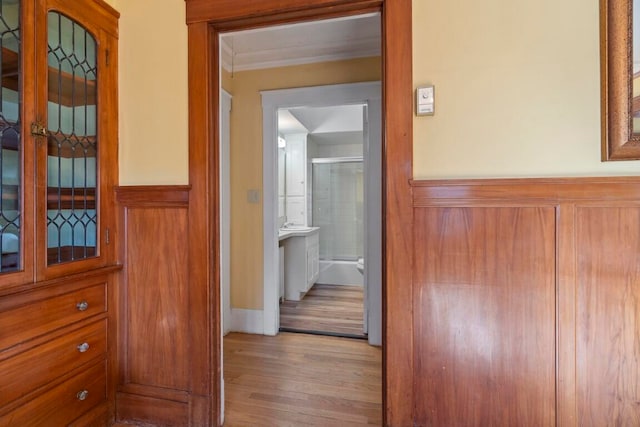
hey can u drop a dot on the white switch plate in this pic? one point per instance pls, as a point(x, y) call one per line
point(425, 101)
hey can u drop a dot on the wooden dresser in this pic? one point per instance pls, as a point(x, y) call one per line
point(58, 151)
point(53, 354)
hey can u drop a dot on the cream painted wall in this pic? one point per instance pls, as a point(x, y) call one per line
point(246, 159)
point(153, 92)
point(517, 94)
point(517, 89)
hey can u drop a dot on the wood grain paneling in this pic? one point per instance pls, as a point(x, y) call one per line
point(151, 411)
point(596, 242)
point(155, 351)
point(608, 321)
point(157, 310)
point(485, 316)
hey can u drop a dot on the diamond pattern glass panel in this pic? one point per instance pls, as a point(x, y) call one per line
point(72, 144)
point(10, 137)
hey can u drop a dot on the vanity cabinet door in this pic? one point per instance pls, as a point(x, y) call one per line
point(313, 259)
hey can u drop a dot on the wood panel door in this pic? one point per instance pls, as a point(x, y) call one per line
point(484, 316)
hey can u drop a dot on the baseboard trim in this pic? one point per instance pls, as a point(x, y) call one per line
point(136, 408)
point(247, 321)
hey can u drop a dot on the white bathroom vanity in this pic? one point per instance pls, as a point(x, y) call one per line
point(300, 250)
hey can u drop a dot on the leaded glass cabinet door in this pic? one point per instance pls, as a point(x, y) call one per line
point(72, 158)
point(72, 149)
point(16, 171)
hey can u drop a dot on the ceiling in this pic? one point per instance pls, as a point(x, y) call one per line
point(303, 43)
point(321, 120)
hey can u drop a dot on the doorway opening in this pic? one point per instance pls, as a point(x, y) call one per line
point(206, 20)
point(310, 246)
point(325, 176)
point(325, 87)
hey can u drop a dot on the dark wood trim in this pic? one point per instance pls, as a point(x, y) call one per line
point(156, 195)
point(221, 12)
point(203, 234)
point(525, 191)
point(206, 18)
point(96, 16)
point(133, 407)
point(397, 243)
point(155, 392)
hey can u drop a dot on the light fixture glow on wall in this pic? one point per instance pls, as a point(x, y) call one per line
point(281, 142)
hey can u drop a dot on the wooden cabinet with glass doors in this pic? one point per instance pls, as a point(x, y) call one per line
point(58, 169)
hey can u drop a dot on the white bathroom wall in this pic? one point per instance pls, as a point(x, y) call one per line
point(343, 150)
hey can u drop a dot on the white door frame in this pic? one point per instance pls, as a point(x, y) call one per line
point(225, 229)
point(225, 210)
point(324, 96)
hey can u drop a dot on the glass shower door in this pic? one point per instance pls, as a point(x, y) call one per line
point(338, 200)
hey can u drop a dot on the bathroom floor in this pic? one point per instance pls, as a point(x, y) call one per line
point(333, 309)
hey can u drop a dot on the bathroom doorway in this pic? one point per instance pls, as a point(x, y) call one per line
point(358, 106)
point(321, 206)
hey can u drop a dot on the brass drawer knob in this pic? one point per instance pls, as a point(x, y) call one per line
point(82, 306)
point(82, 348)
point(82, 395)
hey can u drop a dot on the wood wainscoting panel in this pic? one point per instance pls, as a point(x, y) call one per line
point(608, 315)
point(154, 362)
point(503, 268)
point(484, 304)
point(157, 309)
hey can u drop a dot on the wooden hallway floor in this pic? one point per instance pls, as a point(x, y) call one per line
point(336, 309)
point(301, 380)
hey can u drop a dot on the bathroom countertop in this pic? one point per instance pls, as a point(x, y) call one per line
point(285, 233)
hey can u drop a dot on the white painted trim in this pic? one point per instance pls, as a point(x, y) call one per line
point(245, 62)
point(247, 321)
point(271, 263)
point(225, 211)
point(317, 96)
point(373, 222)
point(225, 229)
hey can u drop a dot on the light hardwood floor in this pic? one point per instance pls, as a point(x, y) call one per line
point(301, 380)
point(336, 309)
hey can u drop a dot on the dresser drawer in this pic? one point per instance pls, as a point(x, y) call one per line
point(36, 318)
point(64, 403)
point(40, 365)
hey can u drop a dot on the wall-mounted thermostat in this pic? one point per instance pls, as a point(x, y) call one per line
point(425, 101)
